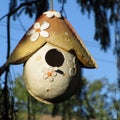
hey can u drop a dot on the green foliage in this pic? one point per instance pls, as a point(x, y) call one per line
point(26, 104)
point(97, 101)
point(20, 93)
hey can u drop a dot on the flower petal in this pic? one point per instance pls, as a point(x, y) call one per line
point(51, 79)
point(34, 36)
point(49, 14)
point(54, 74)
point(36, 25)
point(30, 32)
point(44, 34)
point(57, 14)
point(45, 76)
point(51, 69)
point(44, 26)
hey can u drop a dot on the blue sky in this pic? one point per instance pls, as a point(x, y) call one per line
point(84, 27)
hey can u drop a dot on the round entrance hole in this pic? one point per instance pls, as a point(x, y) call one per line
point(54, 58)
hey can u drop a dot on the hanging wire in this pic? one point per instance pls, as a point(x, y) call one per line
point(51, 4)
point(62, 8)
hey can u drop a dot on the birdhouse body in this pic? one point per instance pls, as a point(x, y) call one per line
point(49, 72)
point(52, 54)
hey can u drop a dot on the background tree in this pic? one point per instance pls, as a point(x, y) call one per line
point(27, 107)
point(97, 101)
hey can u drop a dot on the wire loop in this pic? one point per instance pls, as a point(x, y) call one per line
point(51, 4)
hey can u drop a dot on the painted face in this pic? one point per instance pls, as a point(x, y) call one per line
point(49, 72)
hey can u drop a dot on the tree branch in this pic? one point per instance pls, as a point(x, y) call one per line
point(16, 9)
point(5, 66)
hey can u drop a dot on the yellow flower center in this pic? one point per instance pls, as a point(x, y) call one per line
point(49, 73)
point(37, 30)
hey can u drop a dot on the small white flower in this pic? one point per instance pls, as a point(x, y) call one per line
point(51, 14)
point(49, 74)
point(38, 30)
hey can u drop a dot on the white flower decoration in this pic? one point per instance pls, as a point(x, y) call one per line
point(38, 30)
point(49, 74)
point(73, 69)
point(51, 14)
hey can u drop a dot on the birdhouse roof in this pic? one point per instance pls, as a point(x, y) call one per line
point(51, 28)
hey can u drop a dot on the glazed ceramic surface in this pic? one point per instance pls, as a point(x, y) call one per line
point(48, 72)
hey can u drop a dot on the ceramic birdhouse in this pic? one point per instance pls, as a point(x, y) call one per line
point(52, 54)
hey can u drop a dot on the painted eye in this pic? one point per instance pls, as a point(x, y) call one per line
point(54, 58)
